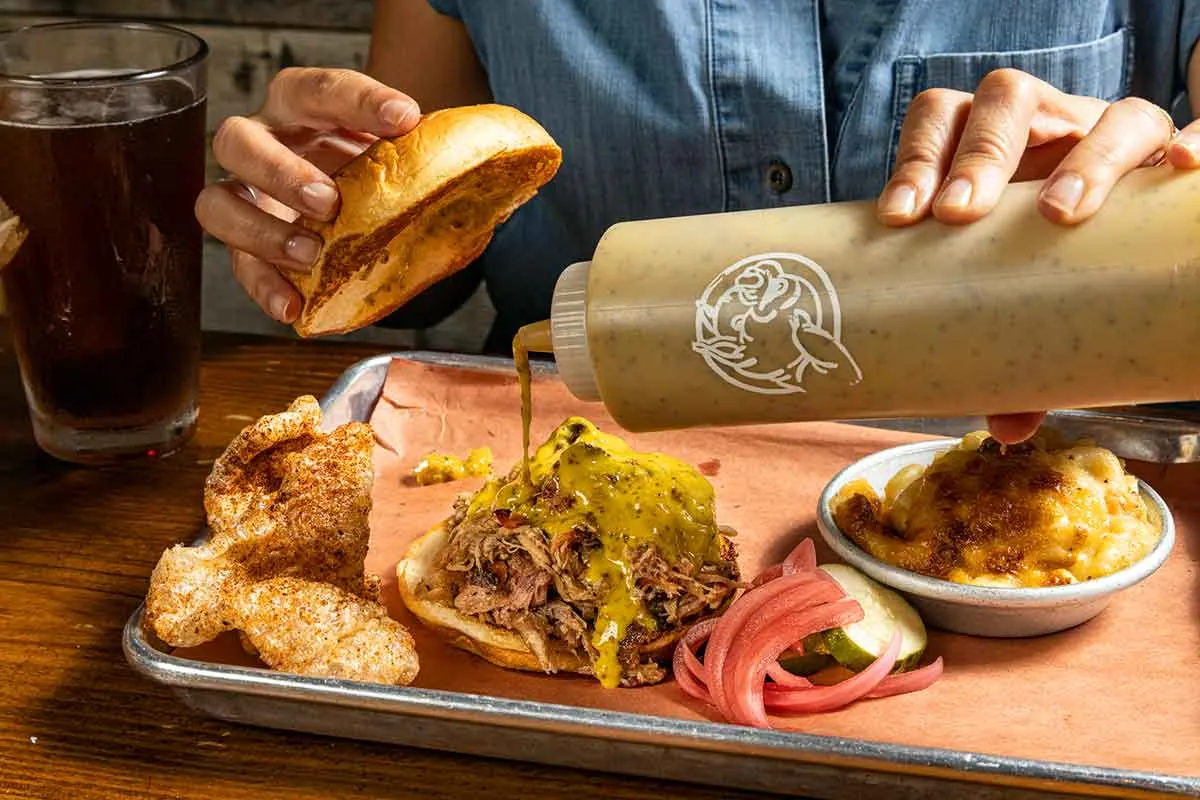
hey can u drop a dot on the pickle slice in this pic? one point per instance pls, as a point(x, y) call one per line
point(859, 644)
point(806, 663)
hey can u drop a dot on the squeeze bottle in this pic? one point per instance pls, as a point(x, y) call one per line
point(822, 313)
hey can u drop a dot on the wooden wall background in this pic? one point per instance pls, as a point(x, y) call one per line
point(250, 41)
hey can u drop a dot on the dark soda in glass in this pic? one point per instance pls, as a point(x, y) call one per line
point(103, 144)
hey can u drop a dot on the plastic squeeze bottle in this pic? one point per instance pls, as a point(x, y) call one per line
point(822, 313)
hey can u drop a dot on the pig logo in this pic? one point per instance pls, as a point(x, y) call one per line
point(770, 324)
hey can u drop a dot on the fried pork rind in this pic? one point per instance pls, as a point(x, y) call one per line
point(317, 629)
point(290, 500)
point(288, 506)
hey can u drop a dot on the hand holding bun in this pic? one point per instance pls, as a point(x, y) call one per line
point(417, 208)
point(321, 132)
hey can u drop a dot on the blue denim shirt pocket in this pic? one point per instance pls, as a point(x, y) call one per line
point(1101, 68)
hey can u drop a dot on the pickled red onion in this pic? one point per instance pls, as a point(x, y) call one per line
point(687, 668)
point(735, 618)
point(785, 621)
point(905, 682)
point(785, 603)
point(690, 684)
point(749, 671)
point(769, 574)
point(843, 693)
point(781, 676)
point(802, 557)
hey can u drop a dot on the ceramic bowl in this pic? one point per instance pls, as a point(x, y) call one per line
point(984, 610)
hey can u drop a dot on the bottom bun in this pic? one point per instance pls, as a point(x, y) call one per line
point(500, 646)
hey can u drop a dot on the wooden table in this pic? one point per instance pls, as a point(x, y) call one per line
point(76, 548)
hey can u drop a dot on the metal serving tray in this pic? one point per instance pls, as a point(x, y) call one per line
point(659, 747)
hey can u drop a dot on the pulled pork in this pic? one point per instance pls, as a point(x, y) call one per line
point(511, 574)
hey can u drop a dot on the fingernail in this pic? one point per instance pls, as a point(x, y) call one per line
point(398, 113)
point(303, 249)
point(898, 201)
point(957, 194)
point(279, 308)
point(320, 198)
point(1064, 192)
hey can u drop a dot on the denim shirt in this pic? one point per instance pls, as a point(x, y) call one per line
point(670, 107)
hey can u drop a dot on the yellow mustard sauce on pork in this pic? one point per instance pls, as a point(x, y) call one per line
point(1042, 513)
point(582, 478)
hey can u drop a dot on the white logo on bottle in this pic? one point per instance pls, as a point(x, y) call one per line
point(771, 321)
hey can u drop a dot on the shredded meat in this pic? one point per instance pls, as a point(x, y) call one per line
point(634, 669)
point(516, 584)
point(511, 574)
point(569, 626)
point(672, 594)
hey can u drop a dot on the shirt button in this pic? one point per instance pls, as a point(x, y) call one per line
point(779, 177)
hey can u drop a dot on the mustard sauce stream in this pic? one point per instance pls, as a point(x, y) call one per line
point(628, 498)
point(533, 338)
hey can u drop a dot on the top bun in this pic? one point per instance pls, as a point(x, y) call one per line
point(418, 208)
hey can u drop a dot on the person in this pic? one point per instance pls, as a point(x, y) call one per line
point(671, 107)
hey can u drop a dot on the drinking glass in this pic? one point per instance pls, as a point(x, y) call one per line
point(102, 148)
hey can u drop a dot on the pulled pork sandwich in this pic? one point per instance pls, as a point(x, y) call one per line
point(596, 562)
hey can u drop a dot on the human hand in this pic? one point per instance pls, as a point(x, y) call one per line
point(312, 122)
point(958, 151)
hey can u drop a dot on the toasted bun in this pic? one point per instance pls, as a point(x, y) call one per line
point(418, 208)
point(493, 643)
point(500, 646)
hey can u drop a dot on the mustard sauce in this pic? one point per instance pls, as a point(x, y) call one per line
point(444, 468)
point(628, 498)
point(530, 338)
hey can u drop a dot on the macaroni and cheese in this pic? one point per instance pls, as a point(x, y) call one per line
point(1041, 513)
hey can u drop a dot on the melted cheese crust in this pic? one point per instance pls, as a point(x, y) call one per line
point(1037, 514)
